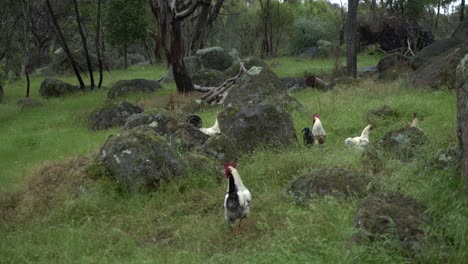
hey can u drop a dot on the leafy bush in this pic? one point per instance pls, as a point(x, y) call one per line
point(307, 31)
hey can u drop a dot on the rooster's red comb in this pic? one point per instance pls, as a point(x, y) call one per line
point(227, 165)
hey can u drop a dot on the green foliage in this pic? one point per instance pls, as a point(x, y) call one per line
point(126, 22)
point(307, 32)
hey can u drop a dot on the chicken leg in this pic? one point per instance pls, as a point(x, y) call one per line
point(239, 226)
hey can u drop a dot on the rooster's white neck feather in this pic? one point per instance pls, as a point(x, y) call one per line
point(365, 132)
point(415, 123)
point(237, 179)
point(317, 129)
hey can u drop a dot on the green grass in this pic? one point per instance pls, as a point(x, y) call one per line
point(183, 222)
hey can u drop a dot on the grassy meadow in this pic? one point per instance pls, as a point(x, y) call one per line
point(74, 218)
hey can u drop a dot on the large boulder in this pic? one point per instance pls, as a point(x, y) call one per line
point(255, 86)
point(385, 214)
point(112, 114)
point(141, 158)
point(393, 66)
point(248, 62)
point(168, 124)
point(437, 71)
point(56, 88)
point(208, 77)
point(222, 148)
point(403, 143)
point(435, 63)
point(330, 181)
point(192, 65)
point(124, 87)
point(215, 58)
point(257, 125)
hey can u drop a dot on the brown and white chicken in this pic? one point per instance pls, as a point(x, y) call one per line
point(317, 130)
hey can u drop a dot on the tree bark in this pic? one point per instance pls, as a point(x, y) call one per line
point(63, 42)
point(26, 29)
point(462, 129)
point(84, 43)
point(98, 41)
point(181, 77)
point(351, 38)
point(462, 10)
point(436, 24)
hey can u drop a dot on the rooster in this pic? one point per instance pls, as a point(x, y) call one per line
point(237, 199)
point(196, 121)
point(307, 136)
point(415, 122)
point(317, 130)
point(363, 140)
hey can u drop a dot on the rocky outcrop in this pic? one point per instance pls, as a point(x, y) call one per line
point(381, 215)
point(56, 88)
point(168, 124)
point(403, 143)
point(112, 114)
point(258, 125)
point(124, 87)
point(208, 77)
point(331, 181)
point(141, 158)
point(393, 66)
point(215, 58)
point(221, 148)
point(255, 86)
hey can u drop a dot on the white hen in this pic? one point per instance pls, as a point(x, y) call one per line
point(363, 140)
point(317, 130)
point(237, 199)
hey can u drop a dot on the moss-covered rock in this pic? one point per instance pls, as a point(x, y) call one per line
point(124, 87)
point(393, 66)
point(208, 77)
point(330, 181)
point(256, 86)
point(257, 125)
point(112, 114)
point(192, 65)
point(56, 88)
point(392, 214)
point(141, 158)
point(222, 148)
point(447, 158)
point(403, 143)
point(215, 58)
point(169, 124)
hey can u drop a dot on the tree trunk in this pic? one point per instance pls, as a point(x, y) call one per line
point(462, 10)
point(351, 38)
point(84, 42)
point(64, 44)
point(199, 37)
point(125, 55)
point(98, 41)
point(181, 77)
point(436, 24)
point(462, 130)
point(265, 49)
point(26, 29)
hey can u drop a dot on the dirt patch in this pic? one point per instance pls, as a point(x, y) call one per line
point(392, 214)
point(331, 181)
